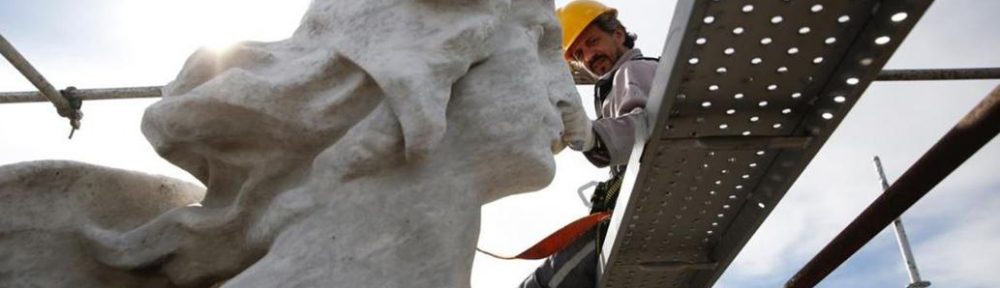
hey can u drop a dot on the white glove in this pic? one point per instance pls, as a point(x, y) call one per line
point(585, 142)
point(641, 122)
point(578, 129)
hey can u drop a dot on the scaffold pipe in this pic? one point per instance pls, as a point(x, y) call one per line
point(939, 74)
point(22, 65)
point(86, 94)
point(971, 133)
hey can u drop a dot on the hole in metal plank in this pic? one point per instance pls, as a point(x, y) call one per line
point(899, 17)
point(882, 40)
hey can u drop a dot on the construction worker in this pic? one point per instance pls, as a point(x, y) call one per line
point(595, 40)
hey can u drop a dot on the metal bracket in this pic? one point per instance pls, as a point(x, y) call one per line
point(75, 103)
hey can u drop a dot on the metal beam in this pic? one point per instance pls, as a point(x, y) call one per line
point(86, 94)
point(736, 143)
point(971, 133)
point(584, 78)
point(939, 74)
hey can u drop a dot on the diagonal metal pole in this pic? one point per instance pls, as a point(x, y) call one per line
point(22, 65)
point(976, 129)
point(901, 238)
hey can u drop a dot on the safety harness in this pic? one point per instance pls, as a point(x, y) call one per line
point(606, 193)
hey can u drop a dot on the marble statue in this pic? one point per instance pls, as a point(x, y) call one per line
point(355, 153)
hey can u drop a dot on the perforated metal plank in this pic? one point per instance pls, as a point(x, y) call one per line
point(745, 95)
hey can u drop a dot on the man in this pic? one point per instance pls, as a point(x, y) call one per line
point(595, 40)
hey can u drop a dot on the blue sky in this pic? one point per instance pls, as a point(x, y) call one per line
point(116, 43)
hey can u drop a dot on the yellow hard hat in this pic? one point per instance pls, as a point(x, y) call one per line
point(575, 17)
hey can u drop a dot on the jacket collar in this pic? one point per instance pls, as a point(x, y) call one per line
point(627, 56)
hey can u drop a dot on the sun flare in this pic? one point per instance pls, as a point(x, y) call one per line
point(212, 24)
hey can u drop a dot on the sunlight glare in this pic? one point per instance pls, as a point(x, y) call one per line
point(213, 24)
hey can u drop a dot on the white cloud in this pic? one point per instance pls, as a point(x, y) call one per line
point(965, 253)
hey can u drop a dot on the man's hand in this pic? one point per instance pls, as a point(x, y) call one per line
point(587, 140)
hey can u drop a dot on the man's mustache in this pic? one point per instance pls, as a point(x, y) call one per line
point(590, 64)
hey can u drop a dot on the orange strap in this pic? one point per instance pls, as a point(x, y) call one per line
point(557, 240)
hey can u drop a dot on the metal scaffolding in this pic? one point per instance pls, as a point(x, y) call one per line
point(44, 87)
point(706, 182)
point(972, 132)
point(732, 131)
point(901, 238)
point(85, 94)
point(65, 106)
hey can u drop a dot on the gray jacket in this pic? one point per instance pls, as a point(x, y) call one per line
point(621, 109)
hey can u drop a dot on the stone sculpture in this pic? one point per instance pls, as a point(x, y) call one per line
point(356, 153)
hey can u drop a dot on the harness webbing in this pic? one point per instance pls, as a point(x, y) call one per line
point(557, 240)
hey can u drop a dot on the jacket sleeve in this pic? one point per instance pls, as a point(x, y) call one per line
point(621, 112)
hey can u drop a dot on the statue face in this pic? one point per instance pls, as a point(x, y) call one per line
point(371, 112)
point(514, 100)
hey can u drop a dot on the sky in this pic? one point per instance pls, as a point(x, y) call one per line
point(954, 234)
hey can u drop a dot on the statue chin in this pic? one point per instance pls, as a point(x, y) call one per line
point(354, 154)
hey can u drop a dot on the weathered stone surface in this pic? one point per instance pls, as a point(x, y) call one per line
point(47, 207)
point(354, 154)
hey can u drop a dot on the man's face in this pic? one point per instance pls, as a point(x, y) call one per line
point(596, 49)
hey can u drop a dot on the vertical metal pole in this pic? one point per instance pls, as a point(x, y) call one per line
point(904, 242)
